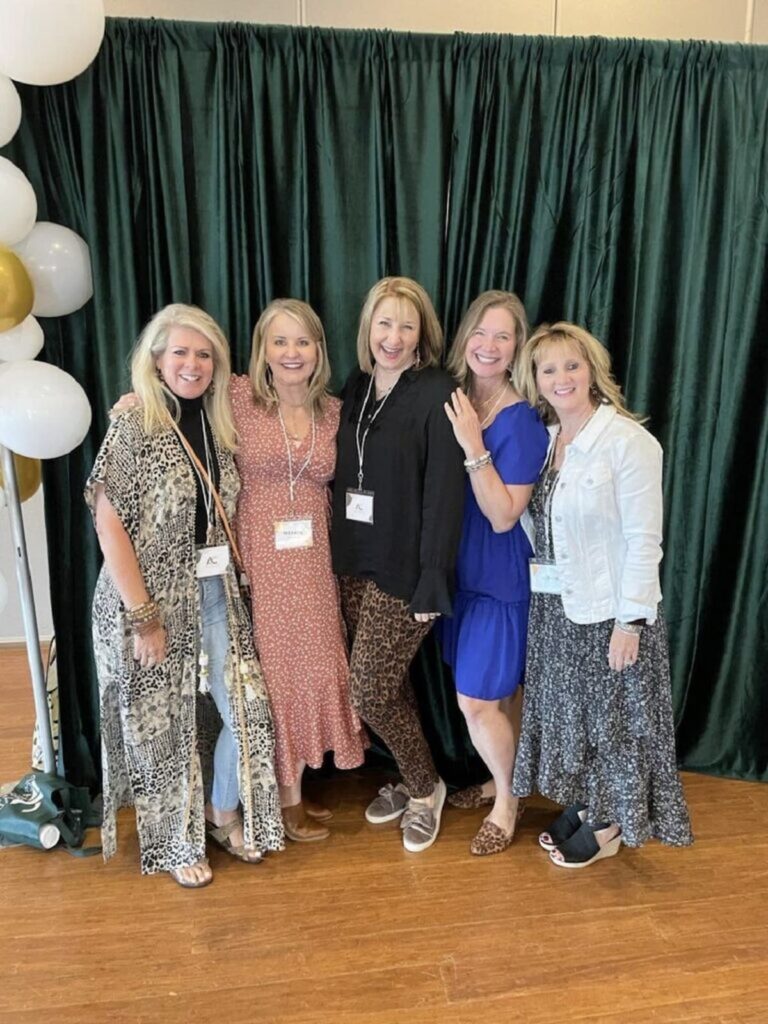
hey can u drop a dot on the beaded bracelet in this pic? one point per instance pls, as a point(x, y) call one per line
point(142, 612)
point(472, 465)
point(147, 627)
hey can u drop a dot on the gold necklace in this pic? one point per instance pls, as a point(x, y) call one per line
point(290, 433)
point(495, 399)
point(561, 443)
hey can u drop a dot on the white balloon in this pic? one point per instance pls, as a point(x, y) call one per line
point(59, 264)
point(18, 205)
point(3, 593)
point(10, 110)
point(44, 413)
point(44, 42)
point(22, 342)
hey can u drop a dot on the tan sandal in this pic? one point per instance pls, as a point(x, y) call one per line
point(179, 879)
point(317, 811)
point(301, 828)
point(220, 835)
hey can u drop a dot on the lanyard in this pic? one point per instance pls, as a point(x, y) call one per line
point(361, 443)
point(551, 476)
point(205, 485)
point(293, 480)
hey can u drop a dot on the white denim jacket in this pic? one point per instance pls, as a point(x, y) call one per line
point(606, 521)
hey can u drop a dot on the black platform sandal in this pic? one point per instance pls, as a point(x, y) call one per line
point(563, 827)
point(582, 849)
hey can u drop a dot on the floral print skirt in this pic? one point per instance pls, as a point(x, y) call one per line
point(597, 736)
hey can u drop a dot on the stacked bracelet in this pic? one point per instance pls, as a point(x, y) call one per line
point(472, 465)
point(144, 618)
point(633, 628)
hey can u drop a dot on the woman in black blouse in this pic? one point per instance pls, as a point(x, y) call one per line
point(396, 524)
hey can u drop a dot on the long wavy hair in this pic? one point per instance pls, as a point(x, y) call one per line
point(263, 393)
point(603, 388)
point(494, 299)
point(155, 395)
point(430, 348)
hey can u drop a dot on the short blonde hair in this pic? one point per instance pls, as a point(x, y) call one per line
point(263, 393)
point(430, 347)
point(604, 389)
point(156, 396)
point(494, 299)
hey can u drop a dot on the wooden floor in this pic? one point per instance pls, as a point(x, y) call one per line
point(356, 931)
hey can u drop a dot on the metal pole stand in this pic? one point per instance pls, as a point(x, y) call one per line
point(28, 611)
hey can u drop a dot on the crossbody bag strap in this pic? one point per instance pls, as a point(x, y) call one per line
point(219, 506)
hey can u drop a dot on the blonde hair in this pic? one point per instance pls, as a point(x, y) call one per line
point(457, 358)
point(430, 347)
point(263, 393)
point(603, 388)
point(154, 393)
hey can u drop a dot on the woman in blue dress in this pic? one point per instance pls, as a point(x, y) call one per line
point(504, 443)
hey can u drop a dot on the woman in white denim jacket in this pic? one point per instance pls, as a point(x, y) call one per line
point(597, 732)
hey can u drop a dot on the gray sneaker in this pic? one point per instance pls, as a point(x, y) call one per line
point(388, 805)
point(421, 824)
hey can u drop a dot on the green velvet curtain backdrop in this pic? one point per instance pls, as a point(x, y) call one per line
point(620, 184)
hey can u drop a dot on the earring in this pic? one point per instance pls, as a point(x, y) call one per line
point(212, 387)
point(511, 372)
point(417, 360)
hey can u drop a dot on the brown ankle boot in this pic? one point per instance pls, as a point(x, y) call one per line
point(301, 828)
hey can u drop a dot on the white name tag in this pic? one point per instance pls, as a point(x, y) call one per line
point(360, 506)
point(293, 533)
point(212, 561)
point(545, 577)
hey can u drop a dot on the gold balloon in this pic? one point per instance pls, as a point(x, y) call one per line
point(16, 292)
point(27, 476)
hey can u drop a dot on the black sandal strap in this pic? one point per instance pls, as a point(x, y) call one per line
point(566, 824)
point(581, 847)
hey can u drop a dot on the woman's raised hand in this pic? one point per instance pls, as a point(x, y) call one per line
point(465, 423)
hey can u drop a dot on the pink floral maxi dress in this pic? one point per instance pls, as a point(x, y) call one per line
point(296, 616)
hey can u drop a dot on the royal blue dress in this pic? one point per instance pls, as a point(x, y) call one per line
point(484, 642)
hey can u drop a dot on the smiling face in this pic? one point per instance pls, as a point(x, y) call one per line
point(563, 378)
point(395, 332)
point(290, 350)
point(491, 346)
point(187, 362)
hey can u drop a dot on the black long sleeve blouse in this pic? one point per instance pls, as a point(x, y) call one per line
point(414, 467)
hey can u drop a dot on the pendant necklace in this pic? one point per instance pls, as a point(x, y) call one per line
point(495, 399)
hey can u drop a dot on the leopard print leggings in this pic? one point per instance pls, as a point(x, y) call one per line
point(384, 637)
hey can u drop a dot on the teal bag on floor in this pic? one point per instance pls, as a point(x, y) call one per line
point(45, 811)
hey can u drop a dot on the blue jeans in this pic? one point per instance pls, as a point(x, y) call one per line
point(213, 614)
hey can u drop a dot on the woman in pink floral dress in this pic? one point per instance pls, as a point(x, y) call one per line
point(287, 424)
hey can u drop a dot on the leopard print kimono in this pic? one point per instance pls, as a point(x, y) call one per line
point(154, 723)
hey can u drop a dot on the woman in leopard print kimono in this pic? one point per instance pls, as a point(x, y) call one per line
point(160, 628)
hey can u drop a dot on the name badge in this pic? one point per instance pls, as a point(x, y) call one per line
point(212, 561)
point(360, 506)
point(545, 577)
point(293, 533)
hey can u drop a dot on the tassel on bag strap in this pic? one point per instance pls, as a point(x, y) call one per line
point(215, 494)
